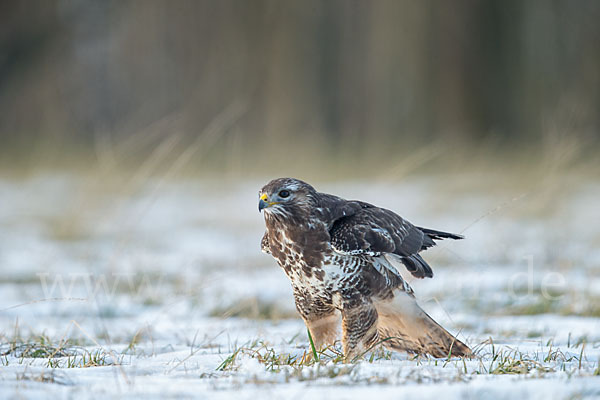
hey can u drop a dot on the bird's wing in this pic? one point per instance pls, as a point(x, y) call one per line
point(375, 231)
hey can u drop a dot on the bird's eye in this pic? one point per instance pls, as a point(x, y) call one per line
point(284, 193)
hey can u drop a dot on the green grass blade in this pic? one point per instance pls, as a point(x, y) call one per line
point(312, 346)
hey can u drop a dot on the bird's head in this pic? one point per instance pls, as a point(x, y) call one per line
point(283, 195)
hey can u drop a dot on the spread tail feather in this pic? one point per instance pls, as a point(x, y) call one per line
point(403, 326)
point(439, 235)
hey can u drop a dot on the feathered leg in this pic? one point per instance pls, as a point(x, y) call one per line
point(324, 330)
point(359, 327)
point(321, 319)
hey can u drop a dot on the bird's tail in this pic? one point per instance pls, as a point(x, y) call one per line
point(403, 326)
point(439, 235)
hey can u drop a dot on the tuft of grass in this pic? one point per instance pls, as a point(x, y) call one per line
point(87, 359)
point(39, 346)
point(229, 363)
point(65, 353)
point(140, 335)
point(512, 361)
point(274, 361)
point(490, 359)
point(51, 376)
point(513, 366)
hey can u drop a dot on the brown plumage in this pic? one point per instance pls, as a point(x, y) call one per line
point(337, 254)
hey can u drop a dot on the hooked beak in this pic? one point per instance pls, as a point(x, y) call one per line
point(263, 202)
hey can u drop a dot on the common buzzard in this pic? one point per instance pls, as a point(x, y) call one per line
point(338, 255)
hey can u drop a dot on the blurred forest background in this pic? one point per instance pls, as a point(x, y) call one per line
point(259, 83)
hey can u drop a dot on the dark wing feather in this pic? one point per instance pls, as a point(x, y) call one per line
point(417, 266)
point(331, 208)
point(373, 231)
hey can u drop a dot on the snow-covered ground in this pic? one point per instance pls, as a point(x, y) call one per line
point(158, 289)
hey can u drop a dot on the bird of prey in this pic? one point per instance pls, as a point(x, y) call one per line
point(338, 255)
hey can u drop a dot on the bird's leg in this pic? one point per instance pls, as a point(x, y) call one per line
point(359, 328)
point(324, 330)
point(321, 318)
